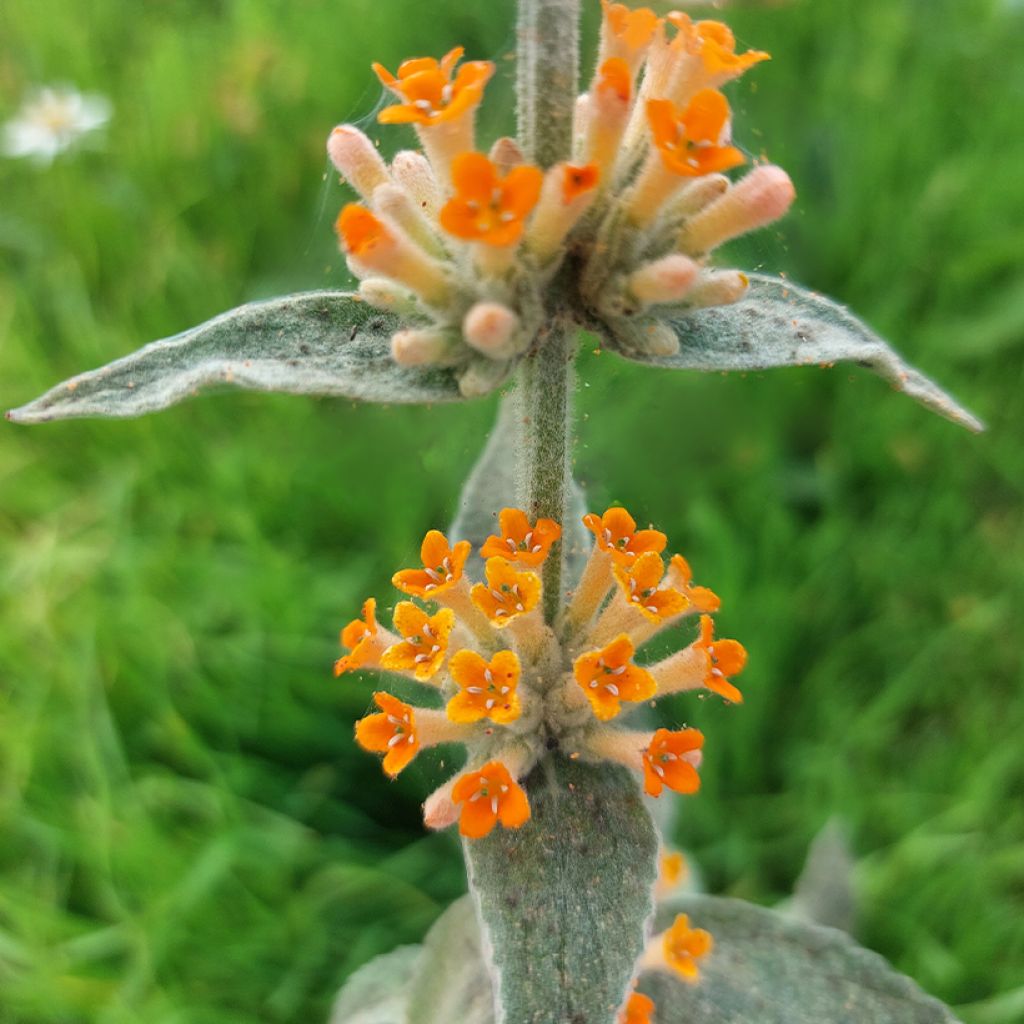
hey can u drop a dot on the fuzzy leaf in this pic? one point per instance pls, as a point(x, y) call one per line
point(780, 324)
point(824, 892)
point(564, 899)
point(492, 486)
point(378, 993)
point(315, 343)
point(773, 970)
point(451, 982)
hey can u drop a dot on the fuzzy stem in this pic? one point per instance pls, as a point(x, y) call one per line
point(547, 81)
point(546, 85)
point(544, 394)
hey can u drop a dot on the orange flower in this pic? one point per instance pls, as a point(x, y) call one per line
point(431, 95)
point(487, 689)
point(669, 761)
point(694, 142)
point(628, 30)
point(362, 638)
point(488, 796)
point(671, 869)
point(507, 593)
point(617, 534)
point(488, 207)
point(425, 643)
point(684, 946)
point(578, 181)
point(641, 586)
point(681, 577)
point(614, 77)
point(609, 676)
point(360, 231)
point(718, 50)
point(638, 1010)
point(442, 567)
point(519, 541)
point(391, 733)
point(724, 658)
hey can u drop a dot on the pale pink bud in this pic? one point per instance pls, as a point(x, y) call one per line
point(425, 346)
point(665, 280)
point(763, 196)
point(439, 811)
point(482, 376)
point(384, 294)
point(356, 159)
point(718, 288)
point(506, 154)
point(412, 171)
point(491, 328)
point(394, 202)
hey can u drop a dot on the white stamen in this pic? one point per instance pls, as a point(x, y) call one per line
point(488, 675)
point(658, 770)
point(612, 689)
point(489, 704)
point(474, 689)
point(618, 671)
point(494, 804)
point(395, 740)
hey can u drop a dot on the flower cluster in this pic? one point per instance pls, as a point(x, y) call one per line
point(464, 245)
point(513, 685)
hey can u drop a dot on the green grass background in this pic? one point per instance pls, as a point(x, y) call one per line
point(187, 833)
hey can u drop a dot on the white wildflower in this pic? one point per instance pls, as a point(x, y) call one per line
point(51, 121)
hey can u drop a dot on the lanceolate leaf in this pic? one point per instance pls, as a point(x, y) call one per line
point(770, 969)
point(452, 982)
point(779, 324)
point(564, 899)
point(316, 343)
point(378, 993)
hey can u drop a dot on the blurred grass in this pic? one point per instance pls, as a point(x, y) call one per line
point(187, 832)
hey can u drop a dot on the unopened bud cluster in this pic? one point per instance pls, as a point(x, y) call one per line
point(467, 247)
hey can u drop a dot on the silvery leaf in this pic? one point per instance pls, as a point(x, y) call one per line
point(780, 324)
point(314, 343)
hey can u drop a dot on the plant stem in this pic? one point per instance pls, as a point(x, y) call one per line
point(547, 79)
point(544, 396)
point(547, 83)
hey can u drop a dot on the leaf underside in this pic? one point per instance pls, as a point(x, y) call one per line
point(315, 343)
point(378, 993)
point(773, 970)
point(564, 899)
point(451, 982)
point(780, 324)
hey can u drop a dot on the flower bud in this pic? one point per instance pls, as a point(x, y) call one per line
point(648, 336)
point(482, 376)
point(492, 329)
point(439, 811)
point(696, 196)
point(666, 280)
point(394, 202)
point(718, 288)
point(356, 159)
point(763, 196)
point(384, 294)
point(411, 170)
point(506, 154)
point(424, 346)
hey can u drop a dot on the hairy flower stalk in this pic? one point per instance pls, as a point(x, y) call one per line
point(584, 219)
